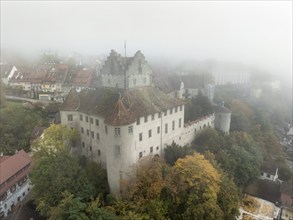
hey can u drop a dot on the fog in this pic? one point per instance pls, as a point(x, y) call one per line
point(254, 33)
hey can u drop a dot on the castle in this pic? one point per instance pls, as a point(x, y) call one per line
point(128, 119)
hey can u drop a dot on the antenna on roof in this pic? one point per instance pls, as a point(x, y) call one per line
point(125, 48)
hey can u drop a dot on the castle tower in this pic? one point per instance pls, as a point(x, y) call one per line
point(222, 118)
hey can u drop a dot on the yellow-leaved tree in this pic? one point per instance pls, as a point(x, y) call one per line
point(55, 139)
point(194, 184)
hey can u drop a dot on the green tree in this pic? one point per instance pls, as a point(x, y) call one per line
point(56, 138)
point(16, 126)
point(96, 211)
point(238, 154)
point(198, 107)
point(2, 94)
point(174, 151)
point(69, 208)
point(54, 174)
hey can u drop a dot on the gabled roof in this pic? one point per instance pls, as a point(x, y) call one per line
point(120, 107)
point(269, 167)
point(265, 189)
point(287, 188)
point(5, 70)
point(117, 64)
point(13, 164)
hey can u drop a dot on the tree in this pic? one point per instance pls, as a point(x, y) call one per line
point(2, 94)
point(68, 208)
point(16, 126)
point(174, 151)
point(143, 192)
point(198, 107)
point(194, 185)
point(52, 175)
point(56, 138)
point(96, 211)
point(238, 154)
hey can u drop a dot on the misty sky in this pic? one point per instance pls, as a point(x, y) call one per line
point(246, 31)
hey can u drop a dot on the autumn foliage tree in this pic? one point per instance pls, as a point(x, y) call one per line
point(190, 189)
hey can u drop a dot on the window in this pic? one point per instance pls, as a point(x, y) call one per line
point(109, 81)
point(171, 111)
point(98, 136)
point(117, 131)
point(134, 82)
point(180, 107)
point(140, 155)
point(140, 136)
point(87, 132)
point(145, 118)
point(157, 147)
point(173, 125)
point(159, 115)
point(150, 133)
point(93, 134)
point(91, 120)
point(97, 122)
point(86, 118)
point(176, 109)
point(153, 117)
point(23, 194)
point(82, 131)
point(138, 121)
point(130, 129)
point(99, 152)
point(91, 149)
point(117, 150)
point(83, 144)
point(106, 129)
point(166, 128)
point(158, 130)
point(69, 118)
point(144, 80)
point(80, 117)
point(151, 149)
point(165, 113)
point(180, 122)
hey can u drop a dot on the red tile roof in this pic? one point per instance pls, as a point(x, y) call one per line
point(13, 164)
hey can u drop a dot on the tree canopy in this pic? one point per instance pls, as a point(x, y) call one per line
point(17, 123)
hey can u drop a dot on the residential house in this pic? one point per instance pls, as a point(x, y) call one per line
point(14, 184)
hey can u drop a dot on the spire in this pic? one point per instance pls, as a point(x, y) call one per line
point(125, 48)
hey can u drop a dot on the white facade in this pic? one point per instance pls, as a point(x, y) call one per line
point(118, 148)
point(231, 77)
point(269, 176)
point(126, 72)
point(14, 197)
point(222, 121)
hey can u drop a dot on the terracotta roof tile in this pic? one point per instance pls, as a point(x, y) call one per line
point(13, 164)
